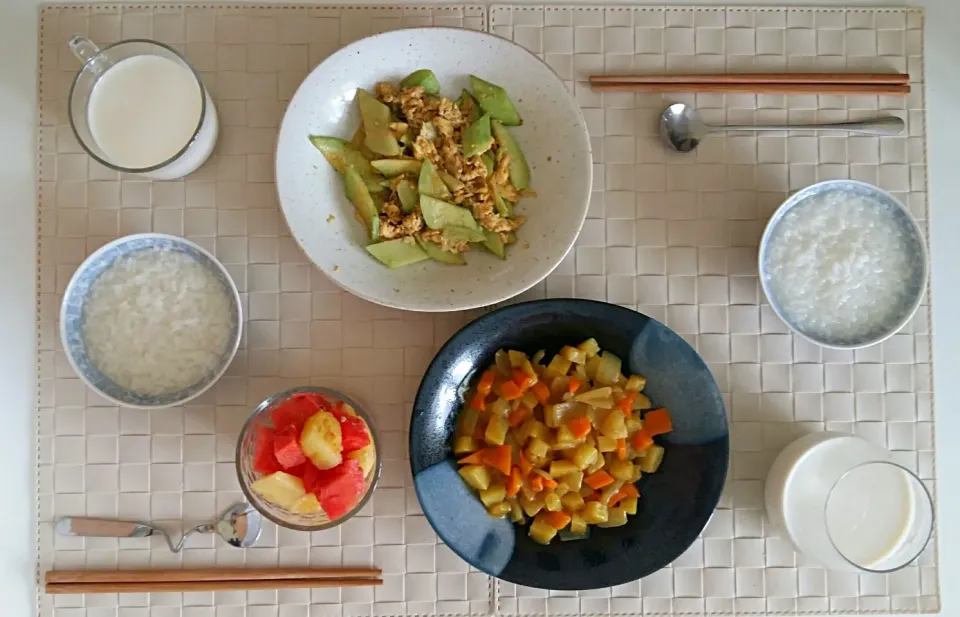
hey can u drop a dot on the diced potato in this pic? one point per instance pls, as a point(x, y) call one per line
point(564, 439)
point(636, 383)
point(572, 502)
point(467, 422)
point(573, 480)
point(322, 440)
point(529, 400)
point(308, 504)
point(585, 456)
point(551, 502)
point(580, 372)
point(614, 425)
point(621, 470)
point(608, 370)
point(652, 459)
point(540, 431)
point(516, 512)
point(585, 490)
point(606, 444)
point(558, 366)
point(629, 505)
point(562, 468)
point(538, 357)
point(589, 347)
point(477, 476)
point(641, 402)
point(496, 431)
point(596, 465)
point(531, 506)
point(541, 531)
point(609, 491)
point(537, 451)
point(499, 407)
point(516, 358)
point(578, 525)
point(465, 445)
point(497, 492)
point(499, 509)
point(596, 394)
point(634, 424)
point(594, 513)
point(593, 362)
point(555, 415)
point(502, 362)
point(577, 356)
point(616, 517)
point(280, 488)
point(636, 475)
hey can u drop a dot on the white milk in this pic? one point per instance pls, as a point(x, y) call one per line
point(868, 516)
point(144, 109)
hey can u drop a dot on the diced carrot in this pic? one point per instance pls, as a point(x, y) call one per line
point(557, 520)
point(510, 390)
point(514, 482)
point(549, 482)
point(536, 483)
point(478, 433)
point(574, 385)
point(657, 421)
point(473, 459)
point(626, 402)
point(518, 416)
point(622, 449)
point(598, 479)
point(498, 457)
point(594, 496)
point(525, 466)
point(616, 499)
point(641, 440)
point(522, 380)
point(541, 391)
point(478, 400)
point(630, 490)
point(485, 385)
point(579, 426)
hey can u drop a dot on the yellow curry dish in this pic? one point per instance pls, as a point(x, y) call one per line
point(561, 443)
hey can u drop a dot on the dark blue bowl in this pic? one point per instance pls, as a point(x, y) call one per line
point(676, 502)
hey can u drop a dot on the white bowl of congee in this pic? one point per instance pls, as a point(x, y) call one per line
point(844, 264)
point(150, 320)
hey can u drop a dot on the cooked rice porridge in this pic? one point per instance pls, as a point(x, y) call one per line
point(838, 265)
point(157, 322)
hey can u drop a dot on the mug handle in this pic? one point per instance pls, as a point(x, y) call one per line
point(89, 54)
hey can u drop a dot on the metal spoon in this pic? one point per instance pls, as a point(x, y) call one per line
point(239, 526)
point(682, 128)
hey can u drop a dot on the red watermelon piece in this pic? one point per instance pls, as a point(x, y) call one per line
point(354, 432)
point(264, 460)
point(340, 488)
point(286, 447)
point(310, 477)
point(294, 412)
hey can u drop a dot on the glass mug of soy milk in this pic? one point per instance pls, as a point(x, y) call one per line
point(138, 107)
point(843, 501)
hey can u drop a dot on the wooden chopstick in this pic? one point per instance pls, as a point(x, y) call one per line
point(755, 88)
point(203, 574)
point(220, 585)
point(897, 79)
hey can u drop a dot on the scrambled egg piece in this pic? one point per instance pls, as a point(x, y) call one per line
point(394, 224)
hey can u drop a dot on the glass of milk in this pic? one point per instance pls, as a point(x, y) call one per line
point(842, 501)
point(138, 107)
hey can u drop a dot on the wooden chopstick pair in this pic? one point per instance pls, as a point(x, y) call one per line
point(897, 84)
point(207, 579)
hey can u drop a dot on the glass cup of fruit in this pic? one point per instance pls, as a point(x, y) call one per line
point(308, 458)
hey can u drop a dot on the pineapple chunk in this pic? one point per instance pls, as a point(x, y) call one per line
point(531, 506)
point(366, 457)
point(578, 525)
point(629, 505)
point(609, 491)
point(476, 476)
point(621, 470)
point(641, 402)
point(516, 512)
point(541, 531)
point(562, 489)
point(517, 358)
point(574, 355)
point(537, 451)
point(595, 513)
point(562, 468)
point(308, 504)
point(558, 366)
point(606, 444)
point(586, 455)
point(564, 439)
point(499, 509)
point(652, 458)
point(280, 488)
point(572, 502)
point(573, 480)
point(496, 431)
point(614, 425)
point(589, 347)
point(496, 493)
point(465, 445)
point(552, 502)
point(616, 517)
point(322, 440)
point(636, 383)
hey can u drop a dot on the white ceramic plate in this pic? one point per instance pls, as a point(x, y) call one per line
point(553, 137)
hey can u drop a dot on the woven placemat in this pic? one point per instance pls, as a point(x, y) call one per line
point(674, 237)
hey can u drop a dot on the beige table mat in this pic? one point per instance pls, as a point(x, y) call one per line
point(672, 236)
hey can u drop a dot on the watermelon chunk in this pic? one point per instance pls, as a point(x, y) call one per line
point(264, 460)
point(340, 488)
point(294, 412)
point(352, 427)
point(310, 477)
point(286, 447)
